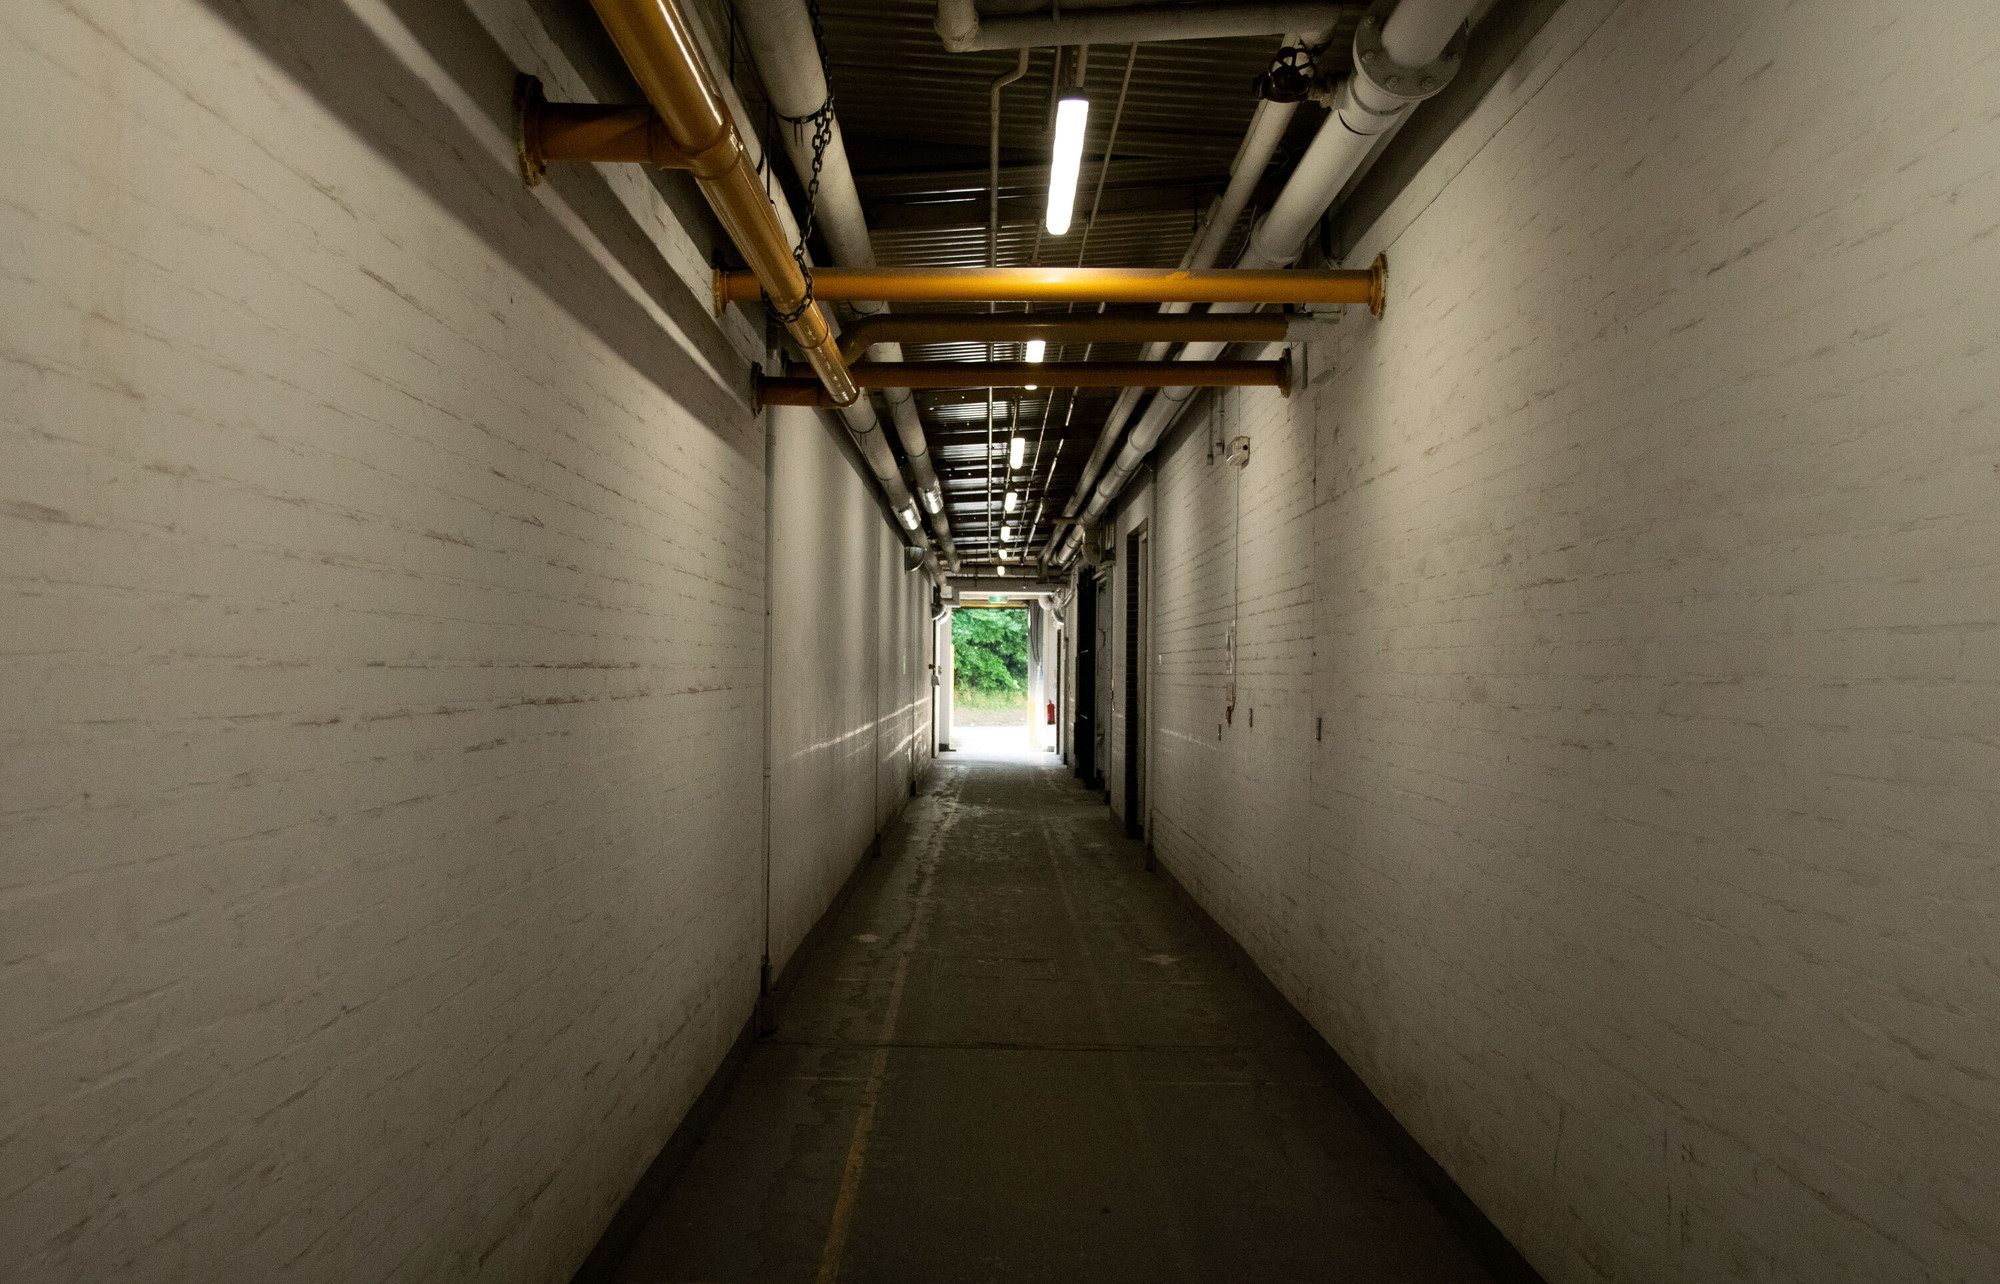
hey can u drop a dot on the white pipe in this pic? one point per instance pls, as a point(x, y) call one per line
point(960, 27)
point(1267, 129)
point(1371, 101)
point(866, 430)
point(1417, 33)
point(1381, 90)
point(781, 44)
point(779, 33)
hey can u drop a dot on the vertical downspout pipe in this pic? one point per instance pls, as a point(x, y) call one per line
point(783, 47)
point(767, 1008)
point(1428, 40)
point(1000, 82)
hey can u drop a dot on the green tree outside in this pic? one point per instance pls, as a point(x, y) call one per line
point(990, 656)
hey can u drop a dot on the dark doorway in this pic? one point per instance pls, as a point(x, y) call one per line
point(1083, 735)
point(1135, 684)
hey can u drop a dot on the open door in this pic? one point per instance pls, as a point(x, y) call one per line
point(1083, 735)
point(1137, 732)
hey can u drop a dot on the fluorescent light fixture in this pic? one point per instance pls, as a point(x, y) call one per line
point(1072, 114)
point(1006, 532)
point(1012, 499)
point(1017, 450)
point(1036, 349)
point(999, 570)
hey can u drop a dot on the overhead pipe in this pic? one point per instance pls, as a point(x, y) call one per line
point(973, 586)
point(1428, 37)
point(1071, 285)
point(661, 50)
point(999, 83)
point(1165, 408)
point(699, 123)
point(962, 29)
point(1019, 327)
point(546, 131)
point(797, 385)
point(786, 53)
point(1260, 141)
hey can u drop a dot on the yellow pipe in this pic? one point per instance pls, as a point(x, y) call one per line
point(546, 131)
point(796, 391)
point(1016, 327)
point(1074, 285)
point(665, 59)
point(1070, 374)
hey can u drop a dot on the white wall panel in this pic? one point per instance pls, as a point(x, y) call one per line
point(1646, 550)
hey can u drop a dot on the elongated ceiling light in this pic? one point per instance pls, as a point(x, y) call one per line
point(1036, 347)
point(1006, 532)
point(1072, 114)
point(1017, 451)
point(1013, 498)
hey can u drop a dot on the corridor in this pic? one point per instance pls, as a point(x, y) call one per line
point(1015, 1055)
point(593, 589)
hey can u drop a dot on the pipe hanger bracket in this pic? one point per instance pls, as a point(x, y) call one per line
point(546, 131)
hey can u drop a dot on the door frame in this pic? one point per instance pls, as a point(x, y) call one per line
point(1138, 711)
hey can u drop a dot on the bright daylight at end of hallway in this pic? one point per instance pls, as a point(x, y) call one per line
point(1000, 642)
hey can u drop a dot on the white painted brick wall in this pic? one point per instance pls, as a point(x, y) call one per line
point(851, 689)
point(1650, 867)
point(1234, 548)
point(384, 595)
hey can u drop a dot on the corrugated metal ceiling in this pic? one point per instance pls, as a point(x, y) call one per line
point(916, 121)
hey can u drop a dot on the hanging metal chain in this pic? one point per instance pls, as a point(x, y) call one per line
point(821, 120)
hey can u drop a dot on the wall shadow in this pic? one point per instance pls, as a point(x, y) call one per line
point(336, 59)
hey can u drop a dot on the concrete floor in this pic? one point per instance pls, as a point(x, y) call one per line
point(1015, 1056)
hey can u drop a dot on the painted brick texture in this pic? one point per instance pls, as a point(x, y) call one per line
point(851, 688)
point(384, 587)
point(1649, 869)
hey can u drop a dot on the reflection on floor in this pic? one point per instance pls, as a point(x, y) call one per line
point(1017, 740)
point(1016, 1057)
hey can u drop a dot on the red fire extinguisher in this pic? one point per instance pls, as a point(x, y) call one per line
point(1052, 713)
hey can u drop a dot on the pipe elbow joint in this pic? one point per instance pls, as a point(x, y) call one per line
point(957, 25)
point(718, 159)
point(1386, 86)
